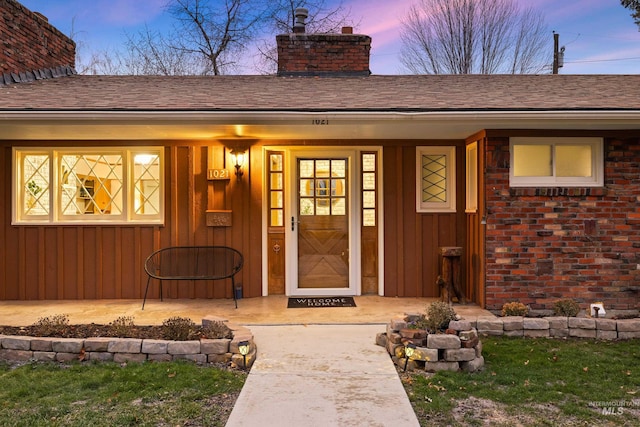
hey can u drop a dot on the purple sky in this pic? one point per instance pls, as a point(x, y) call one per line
point(599, 35)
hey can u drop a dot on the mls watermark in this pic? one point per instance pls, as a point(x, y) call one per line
point(615, 407)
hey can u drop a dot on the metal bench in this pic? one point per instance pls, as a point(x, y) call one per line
point(193, 263)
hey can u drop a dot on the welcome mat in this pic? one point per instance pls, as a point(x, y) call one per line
point(313, 302)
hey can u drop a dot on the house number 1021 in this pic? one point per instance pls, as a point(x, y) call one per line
point(320, 122)
point(217, 174)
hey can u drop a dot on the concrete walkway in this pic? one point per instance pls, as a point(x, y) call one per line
point(321, 375)
point(314, 367)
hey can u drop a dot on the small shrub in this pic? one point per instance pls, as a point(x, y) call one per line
point(51, 325)
point(178, 329)
point(122, 327)
point(216, 330)
point(420, 323)
point(439, 314)
point(566, 307)
point(514, 309)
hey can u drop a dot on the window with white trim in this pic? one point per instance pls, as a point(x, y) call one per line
point(435, 179)
point(71, 185)
point(556, 162)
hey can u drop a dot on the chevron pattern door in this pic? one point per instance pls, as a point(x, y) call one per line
point(323, 223)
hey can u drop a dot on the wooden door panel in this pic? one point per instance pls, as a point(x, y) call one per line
point(323, 252)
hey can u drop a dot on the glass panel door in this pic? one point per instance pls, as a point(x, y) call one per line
point(323, 216)
point(323, 223)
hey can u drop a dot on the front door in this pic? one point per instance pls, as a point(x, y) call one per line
point(320, 225)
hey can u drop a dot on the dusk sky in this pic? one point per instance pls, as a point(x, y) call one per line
point(599, 35)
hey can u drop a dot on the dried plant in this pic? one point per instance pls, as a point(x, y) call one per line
point(514, 309)
point(51, 325)
point(566, 307)
point(178, 329)
point(123, 326)
point(216, 330)
point(439, 314)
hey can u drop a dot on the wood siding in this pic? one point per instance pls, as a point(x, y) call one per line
point(412, 239)
point(107, 261)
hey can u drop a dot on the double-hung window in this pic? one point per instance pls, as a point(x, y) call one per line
point(556, 162)
point(89, 185)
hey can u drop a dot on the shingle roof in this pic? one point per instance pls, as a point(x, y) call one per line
point(373, 93)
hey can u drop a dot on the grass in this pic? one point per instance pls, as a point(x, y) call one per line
point(541, 382)
point(526, 382)
point(108, 394)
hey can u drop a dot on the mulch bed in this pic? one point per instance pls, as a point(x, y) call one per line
point(91, 330)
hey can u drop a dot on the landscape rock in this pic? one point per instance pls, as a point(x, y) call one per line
point(442, 341)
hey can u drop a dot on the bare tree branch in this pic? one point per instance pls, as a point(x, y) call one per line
point(212, 37)
point(634, 7)
point(281, 18)
point(472, 37)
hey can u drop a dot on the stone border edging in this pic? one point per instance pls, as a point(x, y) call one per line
point(23, 348)
point(559, 327)
point(458, 349)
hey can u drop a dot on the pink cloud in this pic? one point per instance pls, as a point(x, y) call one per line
point(380, 18)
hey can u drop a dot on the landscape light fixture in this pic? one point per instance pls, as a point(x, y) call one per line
point(408, 352)
point(243, 348)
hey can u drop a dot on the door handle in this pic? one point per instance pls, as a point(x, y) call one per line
point(293, 223)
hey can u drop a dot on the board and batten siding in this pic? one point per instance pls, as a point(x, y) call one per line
point(412, 239)
point(75, 262)
point(55, 262)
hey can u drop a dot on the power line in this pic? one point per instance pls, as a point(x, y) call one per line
point(602, 60)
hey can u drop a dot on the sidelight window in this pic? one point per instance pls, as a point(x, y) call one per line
point(369, 189)
point(276, 188)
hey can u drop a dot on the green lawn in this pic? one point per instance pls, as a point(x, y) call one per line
point(108, 394)
point(537, 382)
point(527, 382)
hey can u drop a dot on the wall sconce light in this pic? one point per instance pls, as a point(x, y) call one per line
point(409, 349)
point(243, 348)
point(238, 157)
point(238, 147)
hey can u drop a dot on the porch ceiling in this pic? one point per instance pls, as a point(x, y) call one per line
point(180, 125)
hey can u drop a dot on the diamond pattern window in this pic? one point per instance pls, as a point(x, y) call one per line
point(435, 181)
point(115, 185)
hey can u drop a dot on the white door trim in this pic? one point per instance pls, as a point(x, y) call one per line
point(355, 253)
point(291, 236)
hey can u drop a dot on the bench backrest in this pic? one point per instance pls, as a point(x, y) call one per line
point(194, 262)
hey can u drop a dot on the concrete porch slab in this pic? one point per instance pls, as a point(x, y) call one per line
point(271, 310)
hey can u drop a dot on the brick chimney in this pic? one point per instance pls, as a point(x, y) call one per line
point(302, 54)
point(30, 47)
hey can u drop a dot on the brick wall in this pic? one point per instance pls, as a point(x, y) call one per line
point(323, 54)
point(581, 243)
point(28, 42)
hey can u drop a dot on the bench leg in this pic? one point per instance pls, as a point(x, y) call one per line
point(233, 290)
point(145, 292)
